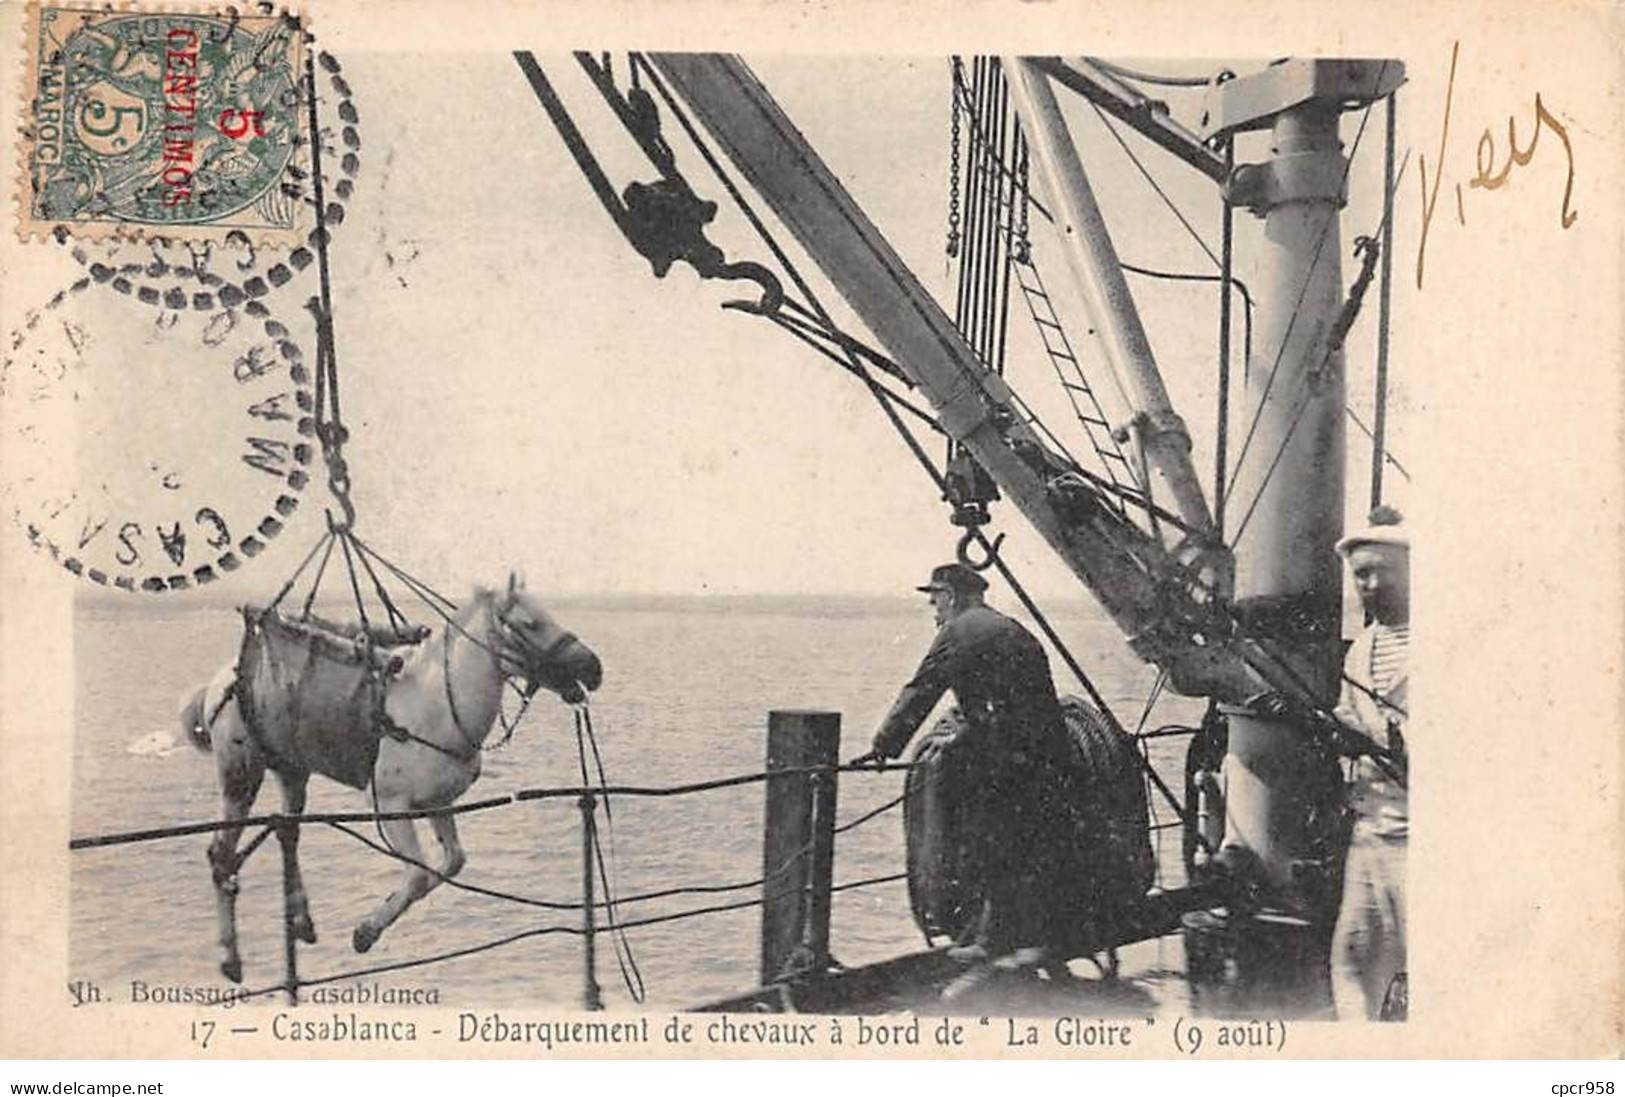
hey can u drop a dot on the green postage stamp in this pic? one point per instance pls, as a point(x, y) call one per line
point(169, 124)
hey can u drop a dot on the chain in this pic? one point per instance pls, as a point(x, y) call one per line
point(329, 429)
point(328, 424)
point(953, 162)
point(338, 479)
point(1023, 248)
point(508, 725)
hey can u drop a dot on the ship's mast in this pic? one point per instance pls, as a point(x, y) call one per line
point(1289, 490)
point(1287, 502)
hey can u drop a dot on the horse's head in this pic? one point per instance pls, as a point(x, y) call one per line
point(536, 647)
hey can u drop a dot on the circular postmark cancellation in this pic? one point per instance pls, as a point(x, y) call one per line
point(153, 451)
point(182, 124)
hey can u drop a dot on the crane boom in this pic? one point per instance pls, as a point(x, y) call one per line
point(1156, 597)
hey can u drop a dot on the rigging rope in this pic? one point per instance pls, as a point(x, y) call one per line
point(326, 419)
point(902, 428)
point(880, 395)
point(1379, 436)
point(1307, 380)
point(459, 884)
point(316, 583)
point(1223, 493)
point(303, 564)
point(631, 976)
point(979, 136)
point(1167, 201)
point(1227, 275)
point(875, 813)
point(337, 820)
point(1387, 454)
point(1183, 276)
point(1303, 290)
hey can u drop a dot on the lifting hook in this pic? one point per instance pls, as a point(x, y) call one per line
point(747, 270)
point(963, 552)
point(665, 221)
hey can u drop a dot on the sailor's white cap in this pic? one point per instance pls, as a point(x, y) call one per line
point(1384, 526)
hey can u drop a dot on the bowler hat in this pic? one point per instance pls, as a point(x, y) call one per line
point(954, 577)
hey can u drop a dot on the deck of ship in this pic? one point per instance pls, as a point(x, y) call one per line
point(1277, 972)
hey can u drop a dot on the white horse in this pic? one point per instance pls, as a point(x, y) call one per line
point(440, 707)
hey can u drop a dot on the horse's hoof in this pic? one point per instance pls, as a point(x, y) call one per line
point(364, 937)
point(232, 969)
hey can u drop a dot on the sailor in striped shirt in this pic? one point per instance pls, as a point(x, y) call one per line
point(1368, 945)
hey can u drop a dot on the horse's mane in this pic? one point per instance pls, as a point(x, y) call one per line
point(461, 617)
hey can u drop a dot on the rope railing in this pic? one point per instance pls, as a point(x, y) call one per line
point(574, 792)
point(786, 867)
point(585, 797)
point(607, 920)
point(540, 931)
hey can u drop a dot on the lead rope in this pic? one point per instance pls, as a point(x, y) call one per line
point(631, 976)
point(509, 726)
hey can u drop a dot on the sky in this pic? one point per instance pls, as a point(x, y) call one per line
point(523, 393)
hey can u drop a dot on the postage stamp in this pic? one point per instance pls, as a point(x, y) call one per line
point(207, 274)
point(184, 125)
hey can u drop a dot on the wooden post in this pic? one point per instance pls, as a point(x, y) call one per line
point(591, 997)
point(798, 840)
point(287, 835)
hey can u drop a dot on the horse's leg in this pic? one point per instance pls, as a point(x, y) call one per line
point(240, 768)
point(445, 832)
point(400, 835)
point(293, 883)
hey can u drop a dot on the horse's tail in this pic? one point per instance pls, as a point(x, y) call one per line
point(192, 719)
point(198, 719)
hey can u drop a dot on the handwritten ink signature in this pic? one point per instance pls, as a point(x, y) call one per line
point(1486, 177)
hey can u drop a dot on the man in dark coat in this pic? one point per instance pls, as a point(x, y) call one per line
point(1015, 736)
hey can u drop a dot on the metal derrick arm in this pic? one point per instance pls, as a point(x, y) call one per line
point(1166, 609)
point(1099, 274)
point(1148, 116)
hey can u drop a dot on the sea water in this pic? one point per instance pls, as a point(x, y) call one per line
point(688, 685)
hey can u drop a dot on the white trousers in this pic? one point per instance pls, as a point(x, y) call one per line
point(1368, 945)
